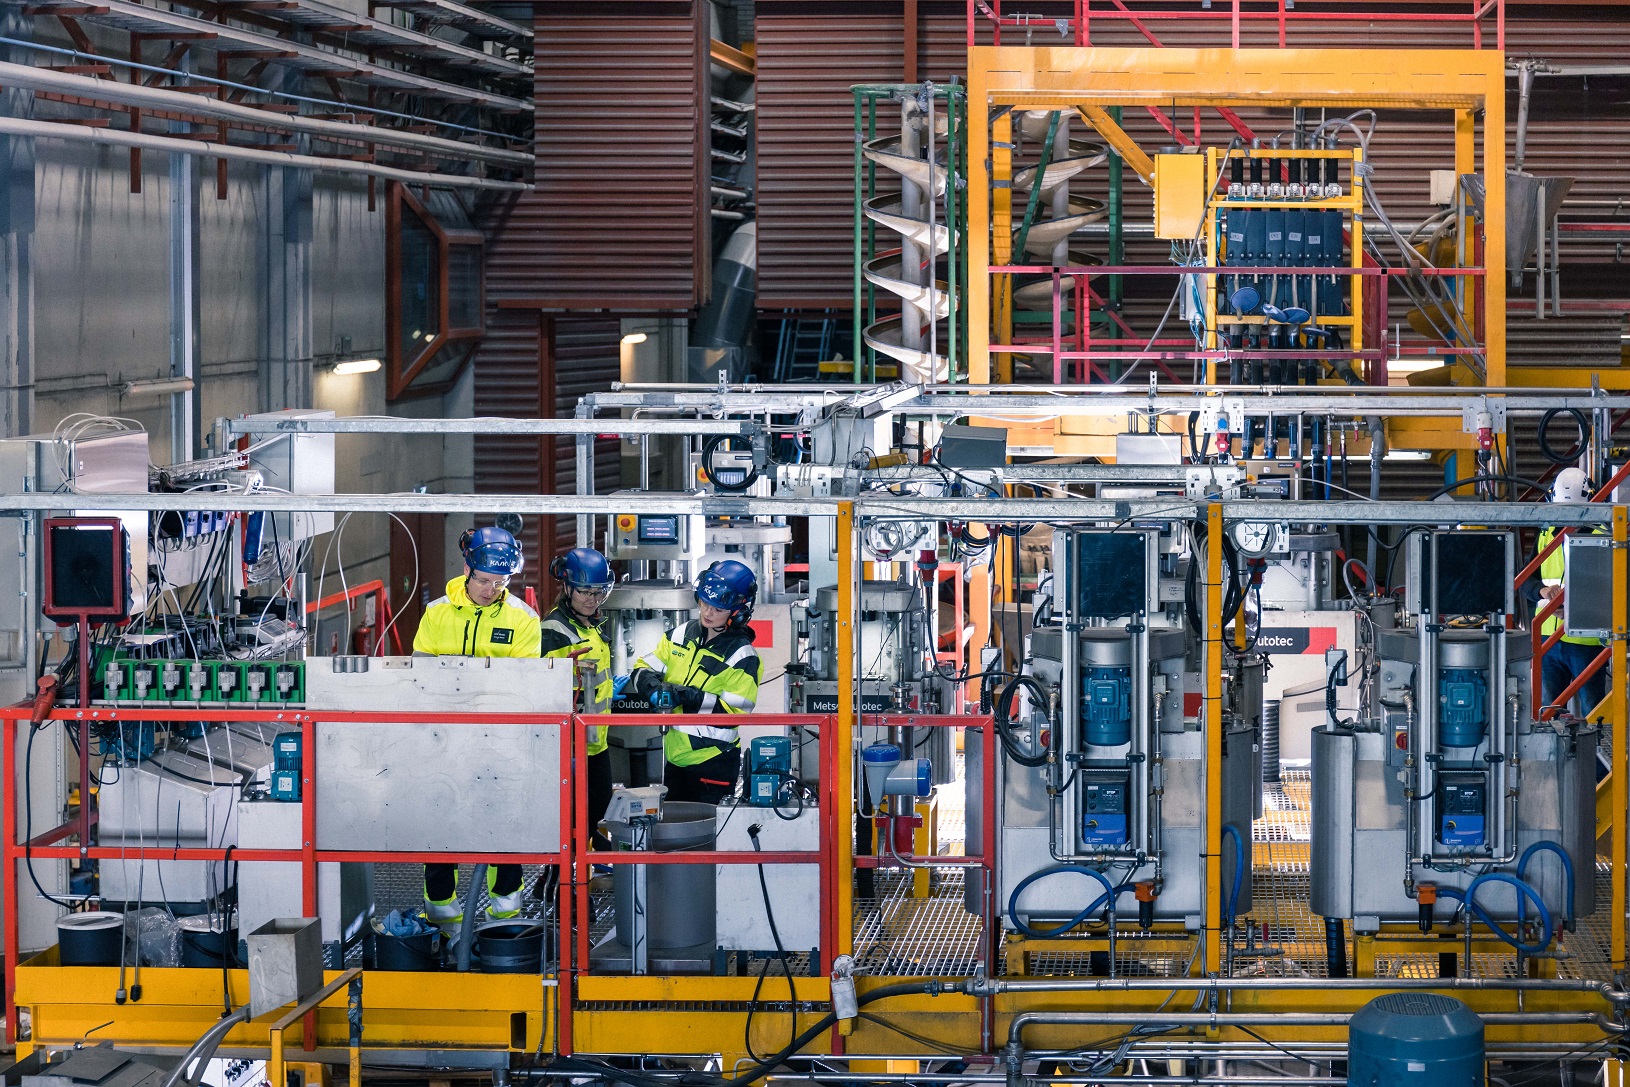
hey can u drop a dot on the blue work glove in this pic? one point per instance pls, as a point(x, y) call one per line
point(617, 685)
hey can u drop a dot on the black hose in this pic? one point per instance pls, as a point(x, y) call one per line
point(824, 1024)
point(1572, 455)
point(1469, 480)
point(1004, 723)
point(710, 447)
point(1235, 595)
point(1335, 947)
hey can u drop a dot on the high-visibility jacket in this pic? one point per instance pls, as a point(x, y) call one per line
point(564, 631)
point(726, 671)
point(1551, 572)
point(455, 627)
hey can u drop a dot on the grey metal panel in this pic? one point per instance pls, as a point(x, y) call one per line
point(740, 917)
point(478, 788)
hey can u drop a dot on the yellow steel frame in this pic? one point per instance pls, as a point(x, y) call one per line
point(1469, 82)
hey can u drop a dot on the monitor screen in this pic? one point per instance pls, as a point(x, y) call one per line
point(1110, 574)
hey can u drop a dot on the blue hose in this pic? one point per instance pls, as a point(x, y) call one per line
point(1109, 895)
point(1567, 868)
point(1239, 870)
point(1469, 897)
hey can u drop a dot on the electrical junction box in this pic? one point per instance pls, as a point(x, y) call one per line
point(292, 461)
point(1104, 794)
point(656, 537)
point(1180, 196)
point(1462, 808)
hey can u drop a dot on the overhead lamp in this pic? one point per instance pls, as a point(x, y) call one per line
point(633, 338)
point(356, 366)
point(164, 386)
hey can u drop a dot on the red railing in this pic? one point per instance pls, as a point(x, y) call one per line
point(1542, 645)
point(573, 854)
point(1280, 13)
point(384, 619)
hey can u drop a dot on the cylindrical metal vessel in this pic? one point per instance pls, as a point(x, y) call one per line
point(1410, 1039)
point(91, 939)
point(680, 898)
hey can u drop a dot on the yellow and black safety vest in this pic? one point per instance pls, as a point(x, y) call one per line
point(454, 626)
point(725, 670)
point(563, 631)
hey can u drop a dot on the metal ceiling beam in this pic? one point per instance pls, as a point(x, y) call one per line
point(12, 126)
point(157, 23)
point(490, 425)
point(196, 105)
point(877, 507)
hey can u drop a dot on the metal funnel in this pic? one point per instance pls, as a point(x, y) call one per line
point(1531, 203)
point(887, 211)
point(886, 272)
point(917, 366)
point(886, 153)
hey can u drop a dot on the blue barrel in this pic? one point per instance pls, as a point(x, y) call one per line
point(1415, 1039)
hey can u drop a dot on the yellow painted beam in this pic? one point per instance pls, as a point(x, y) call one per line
point(1568, 377)
point(1617, 718)
point(1124, 145)
point(1213, 726)
point(1604, 807)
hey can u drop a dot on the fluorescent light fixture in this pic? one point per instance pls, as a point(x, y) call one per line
point(1405, 454)
point(357, 366)
point(633, 338)
point(164, 386)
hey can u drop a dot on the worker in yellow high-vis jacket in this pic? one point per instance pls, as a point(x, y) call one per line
point(573, 629)
point(478, 618)
point(709, 671)
point(1568, 658)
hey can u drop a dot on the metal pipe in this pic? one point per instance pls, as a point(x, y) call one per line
point(29, 77)
point(16, 126)
point(874, 509)
point(1525, 91)
point(207, 1043)
point(1280, 1019)
point(1000, 986)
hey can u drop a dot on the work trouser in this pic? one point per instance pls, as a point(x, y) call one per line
point(441, 892)
point(707, 782)
point(1564, 662)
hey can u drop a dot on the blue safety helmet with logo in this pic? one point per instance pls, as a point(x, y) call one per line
point(582, 568)
point(491, 550)
point(730, 585)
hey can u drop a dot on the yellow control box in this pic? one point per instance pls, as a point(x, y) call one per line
point(1180, 196)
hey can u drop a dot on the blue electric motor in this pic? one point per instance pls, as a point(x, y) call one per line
point(1106, 705)
point(1414, 1039)
point(1463, 695)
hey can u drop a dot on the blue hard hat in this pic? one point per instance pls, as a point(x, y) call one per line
point(730, 585)
point(492, 551)
point(582, 568)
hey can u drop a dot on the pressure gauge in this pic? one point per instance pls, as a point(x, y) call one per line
point(1257, 538)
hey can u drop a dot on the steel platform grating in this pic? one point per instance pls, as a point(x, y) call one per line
point(898, 935)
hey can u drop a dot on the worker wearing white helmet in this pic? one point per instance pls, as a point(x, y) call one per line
point(1568, 658)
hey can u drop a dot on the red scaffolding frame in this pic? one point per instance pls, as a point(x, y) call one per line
point(573, 855)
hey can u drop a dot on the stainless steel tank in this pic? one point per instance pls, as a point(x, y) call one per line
point(679, 902)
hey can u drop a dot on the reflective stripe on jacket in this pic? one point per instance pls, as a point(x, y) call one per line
point(1551, 572)
point(562, 632)
point(454, 627)
point(725, 670)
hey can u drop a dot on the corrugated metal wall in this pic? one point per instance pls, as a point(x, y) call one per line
point(512, 368)
point(618, 216)
point(809, 55)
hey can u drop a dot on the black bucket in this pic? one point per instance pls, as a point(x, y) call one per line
point(207, 942)
point(418, 952)
point(511, 947)
point(91, 939)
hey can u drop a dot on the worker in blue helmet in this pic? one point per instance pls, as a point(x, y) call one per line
point(478, 618)
point(708, 669)
point(575, 629)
